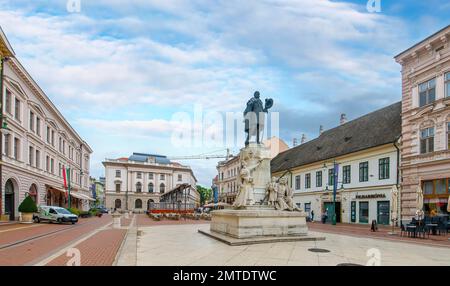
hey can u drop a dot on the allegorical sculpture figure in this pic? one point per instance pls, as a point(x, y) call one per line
point(254, 117)
point(245, 195)
point(284, 200)
point(271, 193)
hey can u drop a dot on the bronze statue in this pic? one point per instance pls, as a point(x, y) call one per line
point(254, 117)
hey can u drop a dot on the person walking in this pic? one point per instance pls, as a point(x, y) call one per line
point(312, 215)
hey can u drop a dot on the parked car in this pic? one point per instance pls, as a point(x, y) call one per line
point(54, 214)
point(102, 210)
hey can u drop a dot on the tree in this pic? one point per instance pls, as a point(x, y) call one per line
point(205, 194)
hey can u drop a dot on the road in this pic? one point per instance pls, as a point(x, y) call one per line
point(92, 241)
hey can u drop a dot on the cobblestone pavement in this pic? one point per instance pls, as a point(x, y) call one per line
point(382, 233)
point(182, 245)
point(34, 250)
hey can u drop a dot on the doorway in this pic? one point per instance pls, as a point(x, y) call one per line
point(329, 206)
point(9, 200)
point(383, 211)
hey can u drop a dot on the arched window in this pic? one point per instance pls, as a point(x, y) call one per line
point(138, 204)
point(162, 188)
point(138, 188)
point(150, 188)
point(118, 204)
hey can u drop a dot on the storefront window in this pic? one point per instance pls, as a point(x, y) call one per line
point(428, 188)
point(441, 187)
point(363, 212)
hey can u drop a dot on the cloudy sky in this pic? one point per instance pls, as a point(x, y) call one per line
point(120, 73)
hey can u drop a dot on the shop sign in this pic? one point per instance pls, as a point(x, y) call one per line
point(371, 196)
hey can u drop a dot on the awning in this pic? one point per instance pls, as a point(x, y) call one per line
point(81, 196)
point(55, 189)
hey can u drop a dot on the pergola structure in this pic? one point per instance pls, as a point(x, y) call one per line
point(181, 199)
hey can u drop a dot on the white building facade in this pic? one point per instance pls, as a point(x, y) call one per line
point(134, 183)
point(37, 144)
point(367, 169)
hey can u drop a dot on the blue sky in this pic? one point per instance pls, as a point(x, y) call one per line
point(118, 72)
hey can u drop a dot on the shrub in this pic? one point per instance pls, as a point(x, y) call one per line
point(28, 206)
point(75, 211)
point(84, 214)
point(94, 212)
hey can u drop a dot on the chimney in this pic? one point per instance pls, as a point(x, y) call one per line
point(294, 142)
point(343, 118)
point(320, 130)
point(303, 138)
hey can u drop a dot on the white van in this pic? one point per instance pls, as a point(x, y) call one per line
point(54, 214)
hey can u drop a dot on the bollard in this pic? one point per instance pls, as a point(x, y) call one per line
point(116, 220)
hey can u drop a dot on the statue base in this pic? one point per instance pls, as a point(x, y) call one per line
point(258, 224)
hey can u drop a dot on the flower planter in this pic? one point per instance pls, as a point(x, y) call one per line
point(27, 218)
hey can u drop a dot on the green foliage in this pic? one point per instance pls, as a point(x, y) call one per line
point(94, 212)
point(205, 194)
point(74, 211)
point(28, 206)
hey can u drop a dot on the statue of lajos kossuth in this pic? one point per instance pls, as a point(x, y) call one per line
point(254, 117)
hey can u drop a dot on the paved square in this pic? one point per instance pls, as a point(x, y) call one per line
point(182, 245)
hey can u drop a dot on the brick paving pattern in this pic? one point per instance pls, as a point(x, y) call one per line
point(40, 248)
point(98, 250)
point(382, 233)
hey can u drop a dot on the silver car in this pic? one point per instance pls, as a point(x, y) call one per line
point(54, 214)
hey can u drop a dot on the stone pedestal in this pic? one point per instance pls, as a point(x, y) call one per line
point(258, 154)
point(257, 222)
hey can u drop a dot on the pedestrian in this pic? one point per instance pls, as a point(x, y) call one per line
point(312, 215)
point(325, 216)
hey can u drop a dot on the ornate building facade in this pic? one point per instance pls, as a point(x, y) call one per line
point(134, 183)
point(37, 144)
point(426, 123)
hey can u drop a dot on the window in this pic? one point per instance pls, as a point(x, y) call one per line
point(31, 156)
point(319, 179)
point(32, 121)
point(16, 148)
point(346, 174)
point(150, 188)
point(150, 176)
point(117, 188)
point(331, 177)
point(427, 92)
point(48, 134)
point(17, 110)
point(307, 181)
point(38, 126)
point(297, 182)
point(138, 204)
point(53, 138)
point(448, 136)
point(138, 188)
point(427, 140)
point(162, 188)
point(52, 166)
point(162, 177)
point(47, 163)
point(38, 159)
point(180, 177)
point(118, 174)
point(364, 171)
point(447, 84)
point(363, 212)
point(139, 175)
point(383, 165)
point(7, 144)
point(8, 97)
